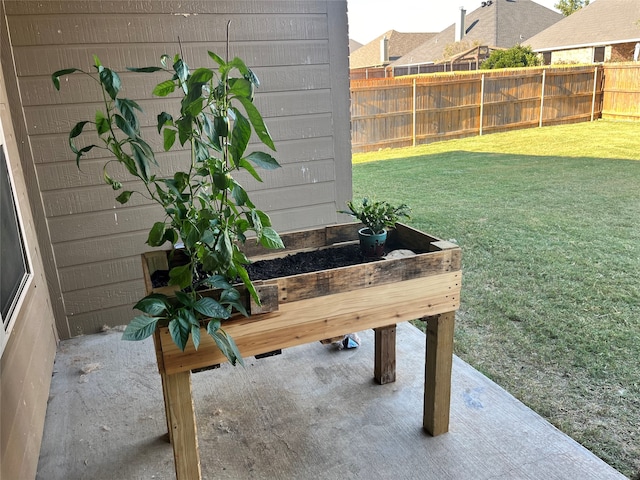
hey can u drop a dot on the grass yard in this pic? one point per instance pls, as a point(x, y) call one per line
point(549, 224)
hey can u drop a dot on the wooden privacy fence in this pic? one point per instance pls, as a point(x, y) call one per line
point(621, 98)
point(400, 112)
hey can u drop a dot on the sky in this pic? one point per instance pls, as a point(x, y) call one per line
point(369, 19)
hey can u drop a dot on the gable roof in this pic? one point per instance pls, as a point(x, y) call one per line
point(353, 45)
point(604, 22)
point(503, 23)
point(399, 43)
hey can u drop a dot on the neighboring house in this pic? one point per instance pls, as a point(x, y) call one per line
point(353, 45)
point(603, 31)
point(81, 249)
point(376, 55)
point(497, 24)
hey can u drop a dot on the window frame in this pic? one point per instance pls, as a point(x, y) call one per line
point(27, 279)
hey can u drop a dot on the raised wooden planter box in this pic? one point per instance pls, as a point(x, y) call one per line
point(310, 307)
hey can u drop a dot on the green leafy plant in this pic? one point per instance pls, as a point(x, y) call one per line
point(517, 56)
point(207, 211)
point(377, 215)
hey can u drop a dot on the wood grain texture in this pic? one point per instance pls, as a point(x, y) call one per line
point(319, 318)
point(438, 364)
point(384, 370)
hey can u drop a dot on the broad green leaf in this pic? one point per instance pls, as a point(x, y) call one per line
point(102, 124)
point(181, 276)
point(217, 281)
point(169, 137)
point(263, 160)
point(184, 129)
point(127, 108)
point(77, 130)
point(142, 160)
point(144, 69)
point(140, 328)
point(170, 235)
point(110, 81)
point(153, 304)
point(240, 65)
point(124, 197)
point(239, 137)
point(240, 87)
point(224, 248)
point(258, 123)
point(226, 345)
point(128, 129)
point(179, 328)
point(200, 75)
point(155, 234)
point(195, 335)
point(55, 76)
point(210, 308)
point(270, 238)
point(181, 69)
point(240, 195)
point(249, 168)
point(81, 152)
point(217, 59)
point(96, 61)
point(244, 276)
point(164, 119)
point(185, 299)
point(164, 88)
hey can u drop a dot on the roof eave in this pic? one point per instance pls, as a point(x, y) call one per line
point(585, 45)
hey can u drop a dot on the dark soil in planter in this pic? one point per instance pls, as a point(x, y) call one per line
point(307, 262)
point(295, 264)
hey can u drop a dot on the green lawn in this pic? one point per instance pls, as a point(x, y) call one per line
point(548, 224)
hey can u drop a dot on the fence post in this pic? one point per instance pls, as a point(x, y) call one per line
point(595, 85)
point(414, 112)
point(481, 102)
point(544, 81)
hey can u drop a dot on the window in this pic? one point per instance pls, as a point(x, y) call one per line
point(15, 269)
point(598, 55)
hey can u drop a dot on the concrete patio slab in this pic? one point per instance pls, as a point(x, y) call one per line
point(313, 412)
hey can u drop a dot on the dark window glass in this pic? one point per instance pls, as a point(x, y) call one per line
point(14, 269)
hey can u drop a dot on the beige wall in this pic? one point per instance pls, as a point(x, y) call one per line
point(27, 359)
point(299, 50)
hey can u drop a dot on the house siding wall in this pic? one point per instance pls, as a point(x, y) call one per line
point(26, 362)
point(299, 50)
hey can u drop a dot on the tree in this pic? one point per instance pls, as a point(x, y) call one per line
point(517, 56)
point(567, 7)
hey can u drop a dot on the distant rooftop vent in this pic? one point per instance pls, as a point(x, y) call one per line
point(487, 3)
point(460, 25)
point(384, 50)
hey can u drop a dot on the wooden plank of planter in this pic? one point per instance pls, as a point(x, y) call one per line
point(307, 239)
point(384, 370)
point(314, 319)
point(366, 275)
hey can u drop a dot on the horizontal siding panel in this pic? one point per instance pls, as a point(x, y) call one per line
point(104, 296)
point(113, 222)
point(95, 321)
point(61, 118)
point(100, 249)
point(158, 28)
point(65, 175)
point(45, 60)
point(182, 7)
point(77, 88)
point(304, 217)
point(54, 148)
point(91, 275)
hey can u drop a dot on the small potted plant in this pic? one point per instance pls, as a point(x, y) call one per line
point(377, 217)
point(208, 213)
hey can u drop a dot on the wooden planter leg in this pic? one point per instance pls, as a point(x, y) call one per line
point(384, 369)
point(438, 363)
point(182, 423)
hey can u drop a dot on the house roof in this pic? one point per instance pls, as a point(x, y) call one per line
point(399, 43)
point(604, 22)
point(354, 45)
point(503, 23)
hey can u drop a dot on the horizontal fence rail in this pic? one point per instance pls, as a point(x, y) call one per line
point(406, 111)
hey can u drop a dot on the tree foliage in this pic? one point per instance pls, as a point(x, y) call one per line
point(517, 56)
point(567, 7)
